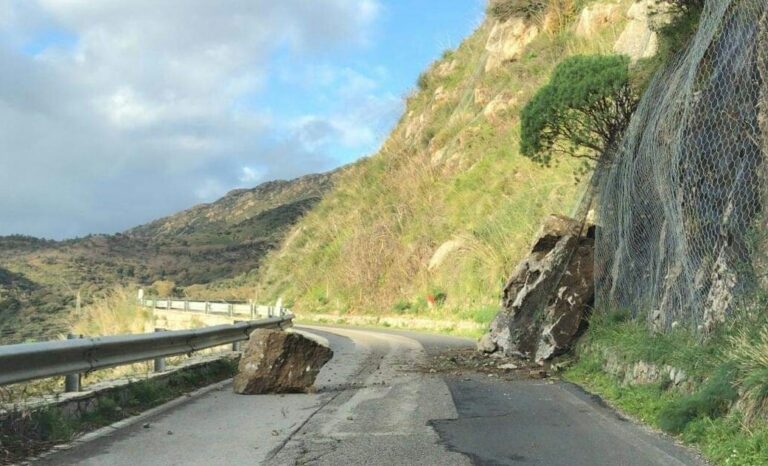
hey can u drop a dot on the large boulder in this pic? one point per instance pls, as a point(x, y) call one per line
point(548, 297)
point(279, 362)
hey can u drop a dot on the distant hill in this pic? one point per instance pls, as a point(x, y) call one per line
point(239, 206)
point(40, 278)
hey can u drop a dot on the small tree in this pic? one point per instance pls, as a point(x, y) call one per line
point(582, 112)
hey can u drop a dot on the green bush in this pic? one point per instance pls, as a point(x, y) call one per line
point(423, 81)
point(582, 112)
point(712, 401)
point(503, 10)
point(401, 306)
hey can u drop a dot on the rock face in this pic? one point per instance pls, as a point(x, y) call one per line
point(640, 39)
point(507, 41)
point(279, 362)
point(594, 17)
point(547, 299)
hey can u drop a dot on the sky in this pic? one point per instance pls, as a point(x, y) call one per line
point(117, 112)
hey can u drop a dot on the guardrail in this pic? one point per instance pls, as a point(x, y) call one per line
point(211, 307)
point(30, 361)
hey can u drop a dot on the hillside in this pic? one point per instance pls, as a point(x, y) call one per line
point(446, 208)
point(205, 243)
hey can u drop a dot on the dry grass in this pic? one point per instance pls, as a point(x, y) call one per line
point(114, 314)
point(749, 352)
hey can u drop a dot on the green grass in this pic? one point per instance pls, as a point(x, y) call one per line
point(705, 414)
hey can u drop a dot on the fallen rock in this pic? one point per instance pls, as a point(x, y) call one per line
point(565, 317)
point(546, 301)
point(279, 362)
point(486, 344)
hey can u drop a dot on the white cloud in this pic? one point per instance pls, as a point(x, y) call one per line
point(145, 110)
point(250, 175)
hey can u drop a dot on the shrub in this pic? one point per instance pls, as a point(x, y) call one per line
point(423, 81)
point(712, 401)
point(749, 352)
point(503, 10)
point(401, 306)
point(582, 112)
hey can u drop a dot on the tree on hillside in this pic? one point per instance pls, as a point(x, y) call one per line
point(582, 112)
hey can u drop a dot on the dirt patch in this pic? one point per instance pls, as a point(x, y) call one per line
point(457, 362)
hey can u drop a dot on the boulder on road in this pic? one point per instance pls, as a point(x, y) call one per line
point(548, 297)
point(279, 362)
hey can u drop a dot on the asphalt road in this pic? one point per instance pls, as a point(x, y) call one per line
point(375, 407)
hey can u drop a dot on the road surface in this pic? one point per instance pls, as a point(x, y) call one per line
point(377, 406)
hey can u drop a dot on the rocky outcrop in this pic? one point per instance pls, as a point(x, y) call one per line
point(594, 17)
point(547, 300)
point(279, 362)
point(507, 41)
point(442, 253)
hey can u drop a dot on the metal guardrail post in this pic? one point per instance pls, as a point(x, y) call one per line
point(159, 362)
point(236, 344)
point(231, 309)
point(207, 307)
point(72, 381)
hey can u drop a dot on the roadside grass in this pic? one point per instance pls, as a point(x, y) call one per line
point(721, 412)
point(425, 323)
point(113, 314)
point(25, 433)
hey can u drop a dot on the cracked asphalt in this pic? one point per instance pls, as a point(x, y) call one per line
point(376, 405)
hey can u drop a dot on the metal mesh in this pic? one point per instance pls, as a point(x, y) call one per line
point(679, 206)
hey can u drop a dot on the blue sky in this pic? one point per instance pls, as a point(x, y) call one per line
point(115, 112)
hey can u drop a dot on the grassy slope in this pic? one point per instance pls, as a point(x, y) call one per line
point(448, 171)
point(721, 412)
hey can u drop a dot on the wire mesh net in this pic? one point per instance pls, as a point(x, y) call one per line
point(679, 205)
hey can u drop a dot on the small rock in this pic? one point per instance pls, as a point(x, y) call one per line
point(170, 432)
point(275, 433)
point(486, 344)
point(538, 374)
point(508, 366)
point(147, 425)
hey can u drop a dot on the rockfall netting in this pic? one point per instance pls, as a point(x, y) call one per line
point(681, 225)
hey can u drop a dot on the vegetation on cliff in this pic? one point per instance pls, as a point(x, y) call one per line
point(433, 223)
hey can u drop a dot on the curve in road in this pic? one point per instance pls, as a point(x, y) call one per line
point(376, 405)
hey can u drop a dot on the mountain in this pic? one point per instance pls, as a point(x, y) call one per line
point(40, 278)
